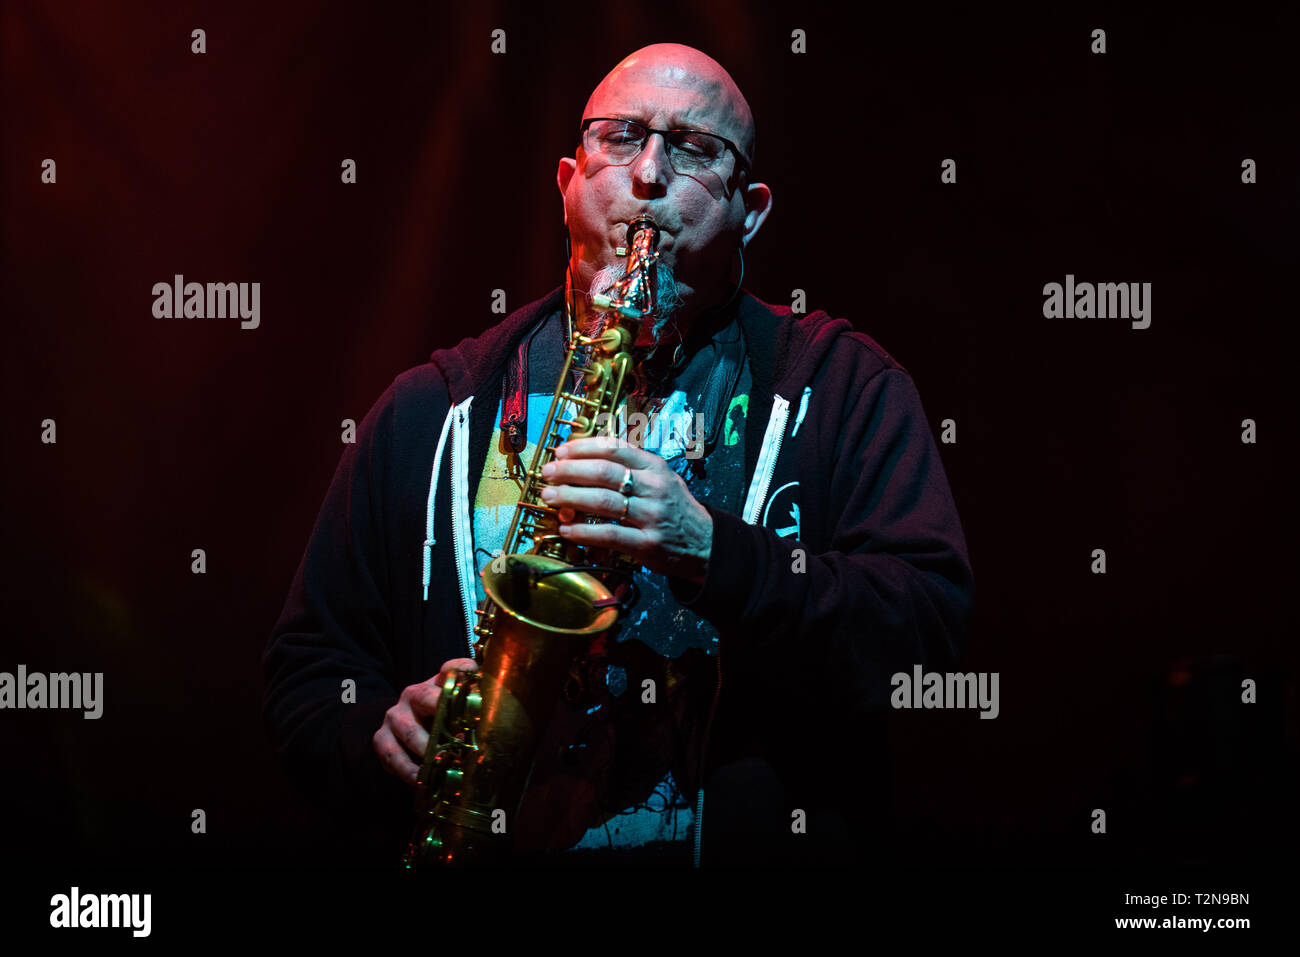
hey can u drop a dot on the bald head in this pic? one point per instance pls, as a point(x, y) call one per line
point(688, 88)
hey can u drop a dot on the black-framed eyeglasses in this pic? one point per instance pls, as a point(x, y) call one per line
point(620, 141)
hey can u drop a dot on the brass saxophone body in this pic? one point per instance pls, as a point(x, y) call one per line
point(548, 600)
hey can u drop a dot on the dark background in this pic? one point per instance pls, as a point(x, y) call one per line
point(1118, 691)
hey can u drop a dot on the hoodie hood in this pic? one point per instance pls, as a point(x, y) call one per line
point(473, 362)
point(785, 351)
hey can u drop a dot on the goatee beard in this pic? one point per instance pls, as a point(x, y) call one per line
point(667, 298)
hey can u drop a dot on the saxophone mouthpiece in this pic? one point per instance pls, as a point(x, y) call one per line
point(639, 222)
point(634, 294)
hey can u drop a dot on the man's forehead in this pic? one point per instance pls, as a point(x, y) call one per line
point(688, 104)
point(648, 110)
point(669, 86)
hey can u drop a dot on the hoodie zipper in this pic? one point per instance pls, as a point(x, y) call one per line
point(461, 533)
point(766, 465)
point(764, 469)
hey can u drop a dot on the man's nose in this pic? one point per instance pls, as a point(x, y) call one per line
point(652, 168)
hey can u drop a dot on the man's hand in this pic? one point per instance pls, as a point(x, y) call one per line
point(665, 528)
point(402, 731)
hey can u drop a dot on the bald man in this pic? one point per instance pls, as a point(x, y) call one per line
point(797, 536)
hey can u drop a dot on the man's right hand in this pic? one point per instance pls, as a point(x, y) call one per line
point(402, 734)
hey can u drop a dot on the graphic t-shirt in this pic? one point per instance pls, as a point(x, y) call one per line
point(660, 825)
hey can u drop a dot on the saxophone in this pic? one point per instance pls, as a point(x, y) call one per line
point(548, 601)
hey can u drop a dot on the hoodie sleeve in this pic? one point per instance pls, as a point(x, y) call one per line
point(332, 628)
point(895, 587)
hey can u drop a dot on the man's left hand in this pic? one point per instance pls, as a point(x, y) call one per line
point(665, 528)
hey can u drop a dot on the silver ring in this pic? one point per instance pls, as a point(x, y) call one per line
point(625, 487)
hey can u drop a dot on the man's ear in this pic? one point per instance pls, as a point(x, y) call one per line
point(758, 203)
point(568, 166)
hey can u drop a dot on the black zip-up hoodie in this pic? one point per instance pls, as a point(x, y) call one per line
point(783, 736)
